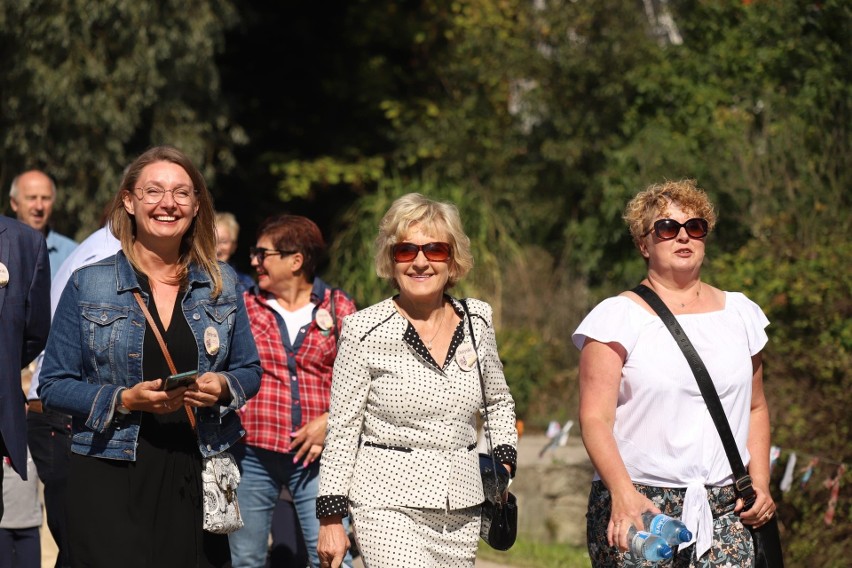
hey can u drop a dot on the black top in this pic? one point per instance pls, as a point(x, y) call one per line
point(184, 351)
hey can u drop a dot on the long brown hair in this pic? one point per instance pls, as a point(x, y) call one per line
point(198, 244)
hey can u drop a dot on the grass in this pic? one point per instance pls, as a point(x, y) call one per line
point(529, 554)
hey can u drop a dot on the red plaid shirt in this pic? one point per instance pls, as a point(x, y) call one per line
point(296, 384)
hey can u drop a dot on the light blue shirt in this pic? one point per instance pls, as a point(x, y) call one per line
point(97, 246)
point(59, 247)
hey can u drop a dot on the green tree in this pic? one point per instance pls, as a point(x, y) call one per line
point(805, 290)
point(85, 86)
point(558, 114)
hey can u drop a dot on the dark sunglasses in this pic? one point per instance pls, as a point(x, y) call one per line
point(261, 253)
point(434, 252)
point(667, 229)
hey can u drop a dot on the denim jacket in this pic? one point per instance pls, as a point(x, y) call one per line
point(95, 349)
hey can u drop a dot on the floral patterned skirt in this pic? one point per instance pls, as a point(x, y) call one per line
point(732, 544)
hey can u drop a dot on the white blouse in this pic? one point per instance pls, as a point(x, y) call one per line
point(663, 430)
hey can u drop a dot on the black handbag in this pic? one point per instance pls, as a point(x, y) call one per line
point(766, 538)
point(499, 519)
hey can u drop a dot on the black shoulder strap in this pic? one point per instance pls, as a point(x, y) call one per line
point(498, 498)
point(708, 391)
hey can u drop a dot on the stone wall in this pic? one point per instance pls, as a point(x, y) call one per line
point(552, 490)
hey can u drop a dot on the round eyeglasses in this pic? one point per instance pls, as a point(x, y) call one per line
point(153, 195)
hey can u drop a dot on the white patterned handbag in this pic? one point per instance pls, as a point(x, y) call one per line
point(220, 477)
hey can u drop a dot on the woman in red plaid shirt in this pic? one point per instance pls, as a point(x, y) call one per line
point(295, 319)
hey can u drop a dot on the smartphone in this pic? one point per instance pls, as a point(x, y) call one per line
point(179, 380)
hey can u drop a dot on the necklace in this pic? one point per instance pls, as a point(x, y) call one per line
point(692, 301)
point(689, 303)
point(440, 324)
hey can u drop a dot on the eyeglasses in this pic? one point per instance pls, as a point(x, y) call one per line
point(667, 229)
point(261, 253)
point(434, 252)
point(153, 195)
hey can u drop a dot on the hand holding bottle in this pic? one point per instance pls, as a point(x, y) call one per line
point(642, 544)
point(672, 530)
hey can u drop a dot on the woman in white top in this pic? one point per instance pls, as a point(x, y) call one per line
point(644, 422)
point(400, 454)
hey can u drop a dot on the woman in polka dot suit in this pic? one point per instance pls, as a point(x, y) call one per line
point(400, 453)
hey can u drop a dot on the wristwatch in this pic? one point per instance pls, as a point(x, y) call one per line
point(119, 405)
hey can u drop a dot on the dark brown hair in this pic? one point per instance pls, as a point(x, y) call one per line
point(296, 233)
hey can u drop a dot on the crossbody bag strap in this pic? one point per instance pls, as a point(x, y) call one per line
point(742, 481)
point(499, 498)
point(165, 349)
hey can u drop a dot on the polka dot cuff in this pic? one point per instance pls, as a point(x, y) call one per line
point(330, 505)
point(505, 453)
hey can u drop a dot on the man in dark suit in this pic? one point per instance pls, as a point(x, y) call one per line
point(24, 325)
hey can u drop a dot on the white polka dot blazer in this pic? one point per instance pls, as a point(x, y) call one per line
point(401, 431)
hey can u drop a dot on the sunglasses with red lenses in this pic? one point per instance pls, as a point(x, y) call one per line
point(434, 252)
point(667, 229)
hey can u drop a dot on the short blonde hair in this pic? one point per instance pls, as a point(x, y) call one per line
point(227, 221)
point(654, 201)
point(434, 217)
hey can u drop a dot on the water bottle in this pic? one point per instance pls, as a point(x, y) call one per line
point(673, 531)
point(643, 544)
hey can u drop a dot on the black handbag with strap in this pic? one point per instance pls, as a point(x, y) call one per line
point(499, 519)
point(767, 538)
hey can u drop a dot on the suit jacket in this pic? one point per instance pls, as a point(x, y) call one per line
point(401, 431)
point(24, 325)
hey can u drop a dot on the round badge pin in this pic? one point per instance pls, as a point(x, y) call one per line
point(466, 356)
point(4, 275)
point(323, 319)
point(211, 340)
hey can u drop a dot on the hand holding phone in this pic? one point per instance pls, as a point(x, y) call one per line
point(179, 380)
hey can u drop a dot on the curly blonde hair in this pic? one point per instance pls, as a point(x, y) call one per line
point(433, 217)
point(654, 201)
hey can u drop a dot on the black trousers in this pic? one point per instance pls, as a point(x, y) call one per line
point(49, 439)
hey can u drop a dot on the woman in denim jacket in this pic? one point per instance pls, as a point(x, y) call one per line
point(135, 481)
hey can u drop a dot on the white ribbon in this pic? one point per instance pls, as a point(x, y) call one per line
point(787, 480)
point(698, 518)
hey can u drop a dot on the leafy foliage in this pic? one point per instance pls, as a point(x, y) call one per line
point(86, 86)
point(806, 292)
point(559, 112)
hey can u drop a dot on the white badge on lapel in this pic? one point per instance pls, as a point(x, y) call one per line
point(466, 356)
point(211, 340)
point(4, 275)
point(323, 319)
